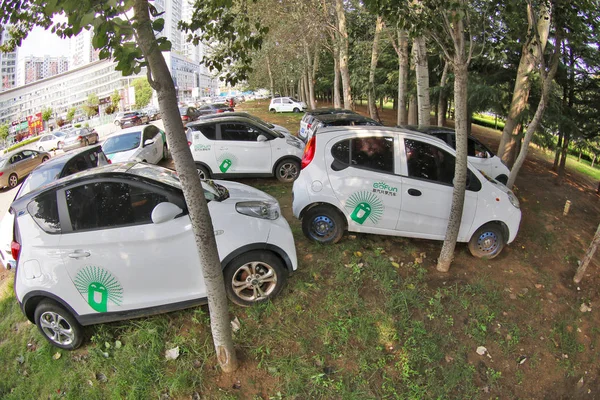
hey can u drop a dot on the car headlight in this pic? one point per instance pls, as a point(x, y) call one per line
point(258, 209)
point(513, 199)
point(297, 143)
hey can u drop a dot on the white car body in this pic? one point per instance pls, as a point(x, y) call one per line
point(51, 141)
point(150, 145)
point(286, 104)
point(223, 146)
point(127, 269)
point(396, 203)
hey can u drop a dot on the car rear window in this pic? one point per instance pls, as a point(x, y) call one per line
point(44, 211)
point(209, 131)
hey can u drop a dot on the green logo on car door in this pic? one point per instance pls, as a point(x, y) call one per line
point(227, 162)
point(98, 286)
point(365, 205)
point(225, 165)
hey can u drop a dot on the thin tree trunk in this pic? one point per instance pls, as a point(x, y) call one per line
point(374, 58)
point(271, 84)
point(337, 99)
point(442, 102)
point(402, 76)
point(422, 72)
point(563, 158)
point(343, 48)
point(593, 160)
point(309, 69)
point(413, 113)
point(588, 257)
point(529, 54)
point(558, 151)
point(202, 226)
point(306, 89)
point(313, 78)
point(579, 158)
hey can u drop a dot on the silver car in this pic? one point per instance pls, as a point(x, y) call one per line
point(17, 165)
point(80, 137)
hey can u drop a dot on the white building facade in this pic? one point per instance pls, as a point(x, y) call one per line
point(31, 69)
point(81, 51)
point(8, 64)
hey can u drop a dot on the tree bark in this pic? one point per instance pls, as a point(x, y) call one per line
point(413, 113)
point(192, 188)
point(442, 101)
point(306, 88)
point(558, 151)
point(313, 78)
point(337, 99)
point(402, 76)
point(529, 54)
point(374, 58)
point(588, 257)
point(309, 70)
point(343, 53)
point(593, 160)
point(422, 72)
point(271, 84)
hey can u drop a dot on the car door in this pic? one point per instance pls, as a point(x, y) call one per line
point(361, 172)
point(116, 257)
point(239, 151)
point(203, 141)
point(428, 173)
point(277, 104)
point(31, 159)
point(287, 105)
point(153, 152)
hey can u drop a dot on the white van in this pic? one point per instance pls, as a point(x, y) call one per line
point(398, 182)
point(287, 104)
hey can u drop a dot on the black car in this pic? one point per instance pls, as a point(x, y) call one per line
point(308, 124)
point(188, 114)
point(128, 119)
point(325, 120)
point(215, 108)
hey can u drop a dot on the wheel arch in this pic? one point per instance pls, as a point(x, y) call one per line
point(283, 158)
point(323, 203)
point(503, 227)
point(32, 299)
point(205, 166)
point(502, 178)
point(277, 251)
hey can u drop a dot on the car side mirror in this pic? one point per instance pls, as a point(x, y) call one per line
point(261, 138)
point(148, 142)
point(164, 212)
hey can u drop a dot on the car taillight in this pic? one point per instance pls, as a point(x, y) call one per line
point(1, 173)
point(15, 250)
point(108, 161)
point(189, 143)
point(308, 126)
point(220, 110)
point(80, 138)
point(309, 152)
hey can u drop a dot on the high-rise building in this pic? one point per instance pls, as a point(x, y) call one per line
point(81, 51)
point(172, 15)
point(8, 64)
point(31, 68)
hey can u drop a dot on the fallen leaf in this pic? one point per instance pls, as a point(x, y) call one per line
point(172, 354)
point(235, 325)
point(395, 265)
point(118, 344)
point(358, 254)
point(56, 356)
point(100, 377)
point(481, 350)
point(585, 308)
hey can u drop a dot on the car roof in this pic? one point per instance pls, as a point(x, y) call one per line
point(429, 129)
point(322, 111)
point(8, 155)
point(229, 114)
point(381, 130)
point(68, 156)
point(224, 118)
point(327, 118)
point(131, 129)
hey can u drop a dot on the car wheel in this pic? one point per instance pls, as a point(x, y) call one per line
point(41, 148)
point(202, 171)
point(254, 277)
point(487, 242)
point(287, 170)
point(296, 110)
point(13, 179)
point(323, 224)
point(45, 158)
point(59, 145)
point(165, 152)
point(273, 110)
point(117, 123)
point(58, 326)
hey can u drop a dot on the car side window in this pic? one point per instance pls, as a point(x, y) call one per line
point(44, 210)
point(150, 132)
point(28, 154)
point(477, 149)
point(239, 132)
point(209, 131)
point(75, 165)
point(376, 153)
point(102, 205)
point(426, 161)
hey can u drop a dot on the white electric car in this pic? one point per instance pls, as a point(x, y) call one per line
point(235, 147)
point(397, 182)
point(286, 104)
point(116, 242)
point(144, 143)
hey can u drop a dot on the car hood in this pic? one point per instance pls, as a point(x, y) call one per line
point(129, 155)
point(241, 192)
point(281, 129)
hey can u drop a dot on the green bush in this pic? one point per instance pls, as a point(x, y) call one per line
point(21, 144)
point(77, 125)
point(487, 122)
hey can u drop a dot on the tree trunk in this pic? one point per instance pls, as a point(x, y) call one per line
point(442, 102)
point(593, 160)
point(402, 76)
point(558, 151)
point(306, 88)
point(337, 99)
point(588, 257)
point(563, 158)
point(422, 72)
point(529, 54)
point(313, 78)
point(309, 70)
point(271, 84)
point(412, 111)
point(192, 188)
point(579, 158)
point(374, 57)
point(343, 49)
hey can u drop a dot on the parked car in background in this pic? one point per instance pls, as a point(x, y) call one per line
point(307, 121)
point(286, 104)
point(214, 108)
point(118, 227)
point(277, 128)
point(231, 147)
point(17, 165)
point(398, 182)
point(325, 120)
point(478, 154)
point(144, 143)
point(188, 114)
point(152, 113)
point(80, 137)
point(51, 141)
point(51, 170)
point(126, 119)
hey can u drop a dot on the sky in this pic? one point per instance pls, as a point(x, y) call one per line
point(40, 42)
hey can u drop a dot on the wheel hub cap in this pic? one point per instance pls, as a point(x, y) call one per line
point(487, 242)
point(323, 225)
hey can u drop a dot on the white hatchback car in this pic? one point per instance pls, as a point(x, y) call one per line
point(287, 104)
point(116, 242)
point(234, 147)
point(51, 141)
point(397, 182)
point(144, 143)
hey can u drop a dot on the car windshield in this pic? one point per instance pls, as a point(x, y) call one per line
point(212, 190)
point(129, 115)
point(128, 141)
point(59, 134)
point(183, 110)
point(39, 177)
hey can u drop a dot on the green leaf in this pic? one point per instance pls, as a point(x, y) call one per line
point(158, 24)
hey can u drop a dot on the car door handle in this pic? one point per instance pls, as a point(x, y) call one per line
point(79, 254)
point(414, 192)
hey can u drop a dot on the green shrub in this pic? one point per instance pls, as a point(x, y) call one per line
point(487, 122)
point(21, 144)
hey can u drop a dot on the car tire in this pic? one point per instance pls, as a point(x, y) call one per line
point(323, 224)
point(254, 277)
point(296, 110)
point(202, 171)
point(487, 242)
point(40, 148)
point(58, 326)
point(13, 180)
point(165, 152)
point(287, 170)
point(45, 158)
point(272, 110)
